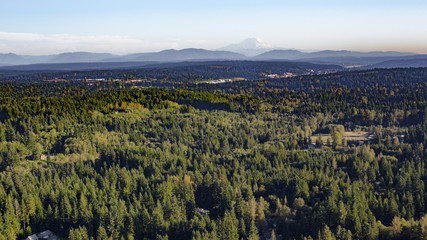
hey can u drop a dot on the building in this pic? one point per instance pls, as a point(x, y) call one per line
point(202, 211)
point(46, 235)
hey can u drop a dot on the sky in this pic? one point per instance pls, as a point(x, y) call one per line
point(39, 27)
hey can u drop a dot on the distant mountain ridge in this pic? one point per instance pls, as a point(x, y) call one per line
point(251, 45)
point(170, 55)
point(73, 57)
point(343, 58)
point(11, 59)
point(185, 54)
point(401, 63)
point(295, 54)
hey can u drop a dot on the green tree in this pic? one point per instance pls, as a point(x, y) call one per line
point(228, 228)
point(337, 133)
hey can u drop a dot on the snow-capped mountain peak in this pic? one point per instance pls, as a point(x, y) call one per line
point(254, 43)
point(249, 47)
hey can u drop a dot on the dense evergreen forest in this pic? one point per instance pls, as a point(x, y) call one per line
point(332, 156)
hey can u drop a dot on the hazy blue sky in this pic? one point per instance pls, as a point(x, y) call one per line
point(126, 26)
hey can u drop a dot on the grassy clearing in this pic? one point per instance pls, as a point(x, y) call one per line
point(356, 136)
point(349, 136)
point(353, 66)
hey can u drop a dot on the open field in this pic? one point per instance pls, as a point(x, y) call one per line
point(349, 136)
point(356, 136)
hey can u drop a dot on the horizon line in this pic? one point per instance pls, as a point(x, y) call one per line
point(217, 50)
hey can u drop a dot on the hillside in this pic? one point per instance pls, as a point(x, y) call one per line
point(87, 57)
point(401, 63)
point(342, 58)
point(178, 71)
point(105, 161)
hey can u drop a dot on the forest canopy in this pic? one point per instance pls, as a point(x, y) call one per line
point(333, 156)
